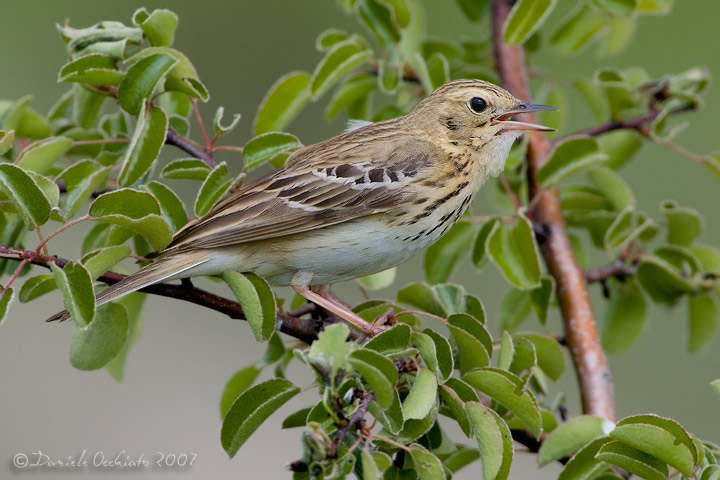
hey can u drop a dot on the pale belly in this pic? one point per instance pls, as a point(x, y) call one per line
point(332, 254)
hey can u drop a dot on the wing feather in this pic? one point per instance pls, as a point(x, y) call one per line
point(324, 186)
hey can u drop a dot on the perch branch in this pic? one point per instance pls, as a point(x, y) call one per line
point(304, 329)
point(591, 367)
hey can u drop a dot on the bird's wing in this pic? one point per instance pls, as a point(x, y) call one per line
point(321, 186)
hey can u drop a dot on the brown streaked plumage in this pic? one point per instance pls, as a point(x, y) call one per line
point(353, 205)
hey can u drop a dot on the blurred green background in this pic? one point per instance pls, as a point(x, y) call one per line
point(169, 400)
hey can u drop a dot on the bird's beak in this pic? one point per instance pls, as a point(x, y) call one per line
point(504, 118)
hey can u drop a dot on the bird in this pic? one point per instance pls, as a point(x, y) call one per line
point(353, 205)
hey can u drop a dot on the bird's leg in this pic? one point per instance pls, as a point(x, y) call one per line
point(325, 291)
point(342, 311)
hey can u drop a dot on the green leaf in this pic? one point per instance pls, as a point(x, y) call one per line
point(329, 38)
point(654, 6)
point(297, 419)
point(702, 321)
point(25, 194)
point(436, 352)
point(396, 338)
point(266, 146)
point(662, 281)
point(6, 140)
point(257, 301)
point(369, 468)
point(94, 69)
point(388, 77)
point(95, 344)
point(81, 180)
point(512, 248)
point(461, 457)
point(379, 21)
point(569, 157)
point(613, 187)
point(455, 400)
point(525, 18)
point(479, 256)
point(400, 11)
point(584, 465)
point(158, 26)
point(550, 356)
point(215, 185)
point(141, 79)
point(238, 383)
point(620, 146)
point(283, 102)
point(433, 71)
point(136, 210)
point(331, 350)
point(75, 283)
point(507, 389)
point(251, 409)
point(684, 224)
point(577, 30)
point(422, 395)
point(390, 418)
point(219, 128)
point(170, 204)
point(569, 437)
point(186, 169)
point(623, 8)
point(658, 442)
point(342, 58)
point(378, 281)
point(421, 296)
point(472, 9)
point(473, 341)
point(5, 301)
point(101, 260)
point(353, 90)
point(633, 460)
point(541, 298)
point(442, 257)
point(494, 441)
point(36, 286)
point(716, 386)
point(427, 465)
point(624, 317)
point(189, 86)
point(145, 145)
point(618, 34)
point(379, 372)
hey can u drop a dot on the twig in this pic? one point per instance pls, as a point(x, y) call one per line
point(198, 117)
point(304, 329)
point(617, 269)
point(355, 421)
point(683, 152)
point(638, 123)
point(593, 374)
point(62, 228)
point(174, 138)
point(510, 194)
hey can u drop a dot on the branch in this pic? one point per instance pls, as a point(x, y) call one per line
point(617, 269)
point(638, 123)
point(593, 374)
point(174, 138)
point(304, 329)
point(356, 420)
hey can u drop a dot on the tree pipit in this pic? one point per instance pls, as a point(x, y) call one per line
point(353, 205)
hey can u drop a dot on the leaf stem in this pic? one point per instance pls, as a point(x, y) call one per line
point(198, 117)
point(62, 228)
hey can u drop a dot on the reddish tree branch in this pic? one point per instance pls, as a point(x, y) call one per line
point(174, 138)
point(593, 374)
point(304, 329)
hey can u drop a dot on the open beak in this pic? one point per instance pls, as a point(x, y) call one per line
point(504, 118)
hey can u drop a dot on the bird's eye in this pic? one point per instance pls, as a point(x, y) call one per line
point(478, 104)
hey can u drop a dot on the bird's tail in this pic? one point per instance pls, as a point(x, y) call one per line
point(163, 269)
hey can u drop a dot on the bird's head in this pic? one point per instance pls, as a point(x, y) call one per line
point(476, 114)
